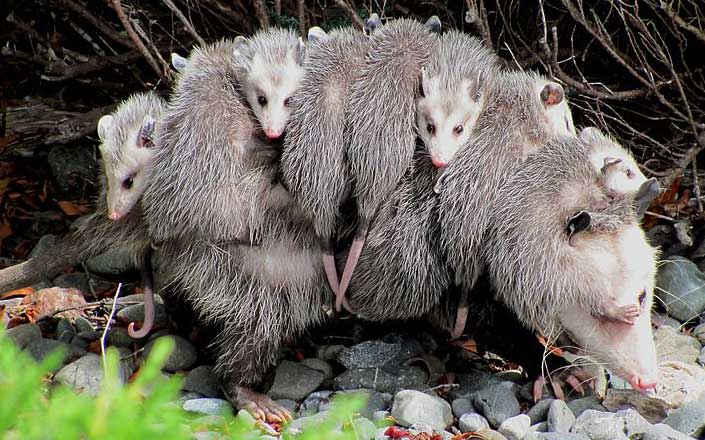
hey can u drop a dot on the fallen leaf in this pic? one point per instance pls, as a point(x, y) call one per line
point(18, 292)
point(72, 209)
point(56, 301)
point(471, 346)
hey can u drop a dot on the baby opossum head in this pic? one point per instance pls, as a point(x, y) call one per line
point(557, 116)
point(127, 150)
point(270, 65)
point(626, 266)
point(453, 92)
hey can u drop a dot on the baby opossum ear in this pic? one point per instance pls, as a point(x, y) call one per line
point(647, 192)
point(588, 134)
point(316, 34)
point(578, 223)
point(371, 24)
point(300, 52)
point(239, 44)
point(475, 88)
point(105, 124)
point(423, 83)
point(552, 94)
point(609, 162)
point(146, 132)
point(178, 62)
point(433, 24)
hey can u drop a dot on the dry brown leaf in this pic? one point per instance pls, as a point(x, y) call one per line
point(18, 292)
point(471, 346)
point(72, 209)
point(56, 301)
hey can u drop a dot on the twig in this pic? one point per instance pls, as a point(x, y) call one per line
point(107, 327)
point(187, 24)
point(98, 23)
point(93, 65)
point(136, 39)
point(278, 7)
point(673, 15)
point(261, 12)
point(345, 6)
point(476, 16)
point(662, 217)
point(302, 16)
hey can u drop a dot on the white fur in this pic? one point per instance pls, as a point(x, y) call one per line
point(624, 177)
point(558, 116)
point(104, 126)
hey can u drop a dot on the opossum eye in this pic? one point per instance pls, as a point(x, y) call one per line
point(642, 297)
point(287, 102)
point(127, 183)
point(430, 128)
point(262, 100)
point(629, 173)
point(458, 129)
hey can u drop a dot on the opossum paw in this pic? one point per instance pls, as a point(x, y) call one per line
point(262, 408)
point(574, 377)
point(624, 314)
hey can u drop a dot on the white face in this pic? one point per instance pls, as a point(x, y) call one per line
point(626, 271)
point(269, 89)
point(128, 177)
point(445, 120)
point(620, 172)
point(559, 118)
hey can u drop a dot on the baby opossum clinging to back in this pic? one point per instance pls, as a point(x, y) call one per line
point(127, 151)
point(380, 120)
point(212, 185)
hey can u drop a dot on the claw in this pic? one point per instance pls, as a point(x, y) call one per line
point(261, 407)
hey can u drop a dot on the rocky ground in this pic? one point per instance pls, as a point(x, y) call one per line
point(429, 387)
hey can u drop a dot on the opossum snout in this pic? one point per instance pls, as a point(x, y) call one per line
point(272, 134)
point(643, 383)
point(114, 215)
point(438, 163)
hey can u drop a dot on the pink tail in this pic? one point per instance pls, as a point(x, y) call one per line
point(331, 271)
point(148, 301)
point(461, 316)
point(350, 264)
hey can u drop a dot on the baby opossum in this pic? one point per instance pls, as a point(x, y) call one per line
point(213, 183)
point(313, 163)
point(380, 120)
point(560, 248)
point(453, 85)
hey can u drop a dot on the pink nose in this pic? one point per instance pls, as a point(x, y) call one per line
point(643, 383)
point(438, 163)
point(113, 215)
point(272, 134)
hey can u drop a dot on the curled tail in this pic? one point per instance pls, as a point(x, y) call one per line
point(148, 289)
point(350, 264)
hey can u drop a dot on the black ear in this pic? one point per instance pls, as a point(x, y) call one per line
point(578, 223)
point(433, 24)
point(647, 192)
point(372, 23)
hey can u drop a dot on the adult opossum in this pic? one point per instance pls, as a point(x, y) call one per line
point(213, 183)
point(313, 163)
point(380, 121)
point(561, 248)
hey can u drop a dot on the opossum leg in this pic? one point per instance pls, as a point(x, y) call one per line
point(148, 290)
point(625, 314)
point(260, 406)
point(573, 376)
point(461, 316)
point(350, 264)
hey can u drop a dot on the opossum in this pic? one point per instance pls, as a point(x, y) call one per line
point(313, 163)
point(213, 183)
point(560, 248)
point(380, 121)
point(127, 150)
point(453, 85)
point(618, 170)
point(178, 62)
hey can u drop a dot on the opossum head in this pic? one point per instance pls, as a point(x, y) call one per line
point(445, 118)
point(127, 150)
point(557, 115)
point(625, 263)
point(619, 171)
point(271, 71)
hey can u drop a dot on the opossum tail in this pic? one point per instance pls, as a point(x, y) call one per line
point(65, 253)
point(148, 291)
point(350, 264)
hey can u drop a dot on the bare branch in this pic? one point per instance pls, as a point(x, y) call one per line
point(261, 12)
point(187, 24)
point(98, 23)
point(357, 21)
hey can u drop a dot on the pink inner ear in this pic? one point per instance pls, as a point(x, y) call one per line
point(552, 94)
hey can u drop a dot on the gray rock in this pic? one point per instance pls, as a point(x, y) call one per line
point(472, 422)
point(699, 332)
point(378, 416)
point(473, 382)
point(660, 320)
point(287, 404)
point(329, 352)
point(689, 419)
point(299, 424)
point(662, 431)
point(202, 380)
point(24, 334)
point(41, 348)
point(128, 363)
point(116, 261)
point(380, 380)
point(622, 425)
point(461, 406)
point(413, 407)
point(653, 409)
point(319, 365)
point(497, 403)
point(409, 346)
point(672, 345)
point(369, 354)
point(578, 406)
point(560, 417)
point(561, 436)
point(83, 325)
point(135, 313)
point(294, 381)
point(90, 336)
point(681, 288)
point(701, 356)
point(119, 337)
point(65, 331)
point(84, 375)
point(312, 404)
point(79, 342)
point(540, 427)
point(211, 407)
point(375, 401)
point(182, 358)
point(515, 428)
point(364, 429)
point(379, 435)
point(190, 395)
point(76, 280)
point(539, 412)
point(73, 167)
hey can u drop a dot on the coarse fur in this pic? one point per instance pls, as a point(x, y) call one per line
point(515, 121)
point(454, 84)
point(553, 278)
point(381, 121)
